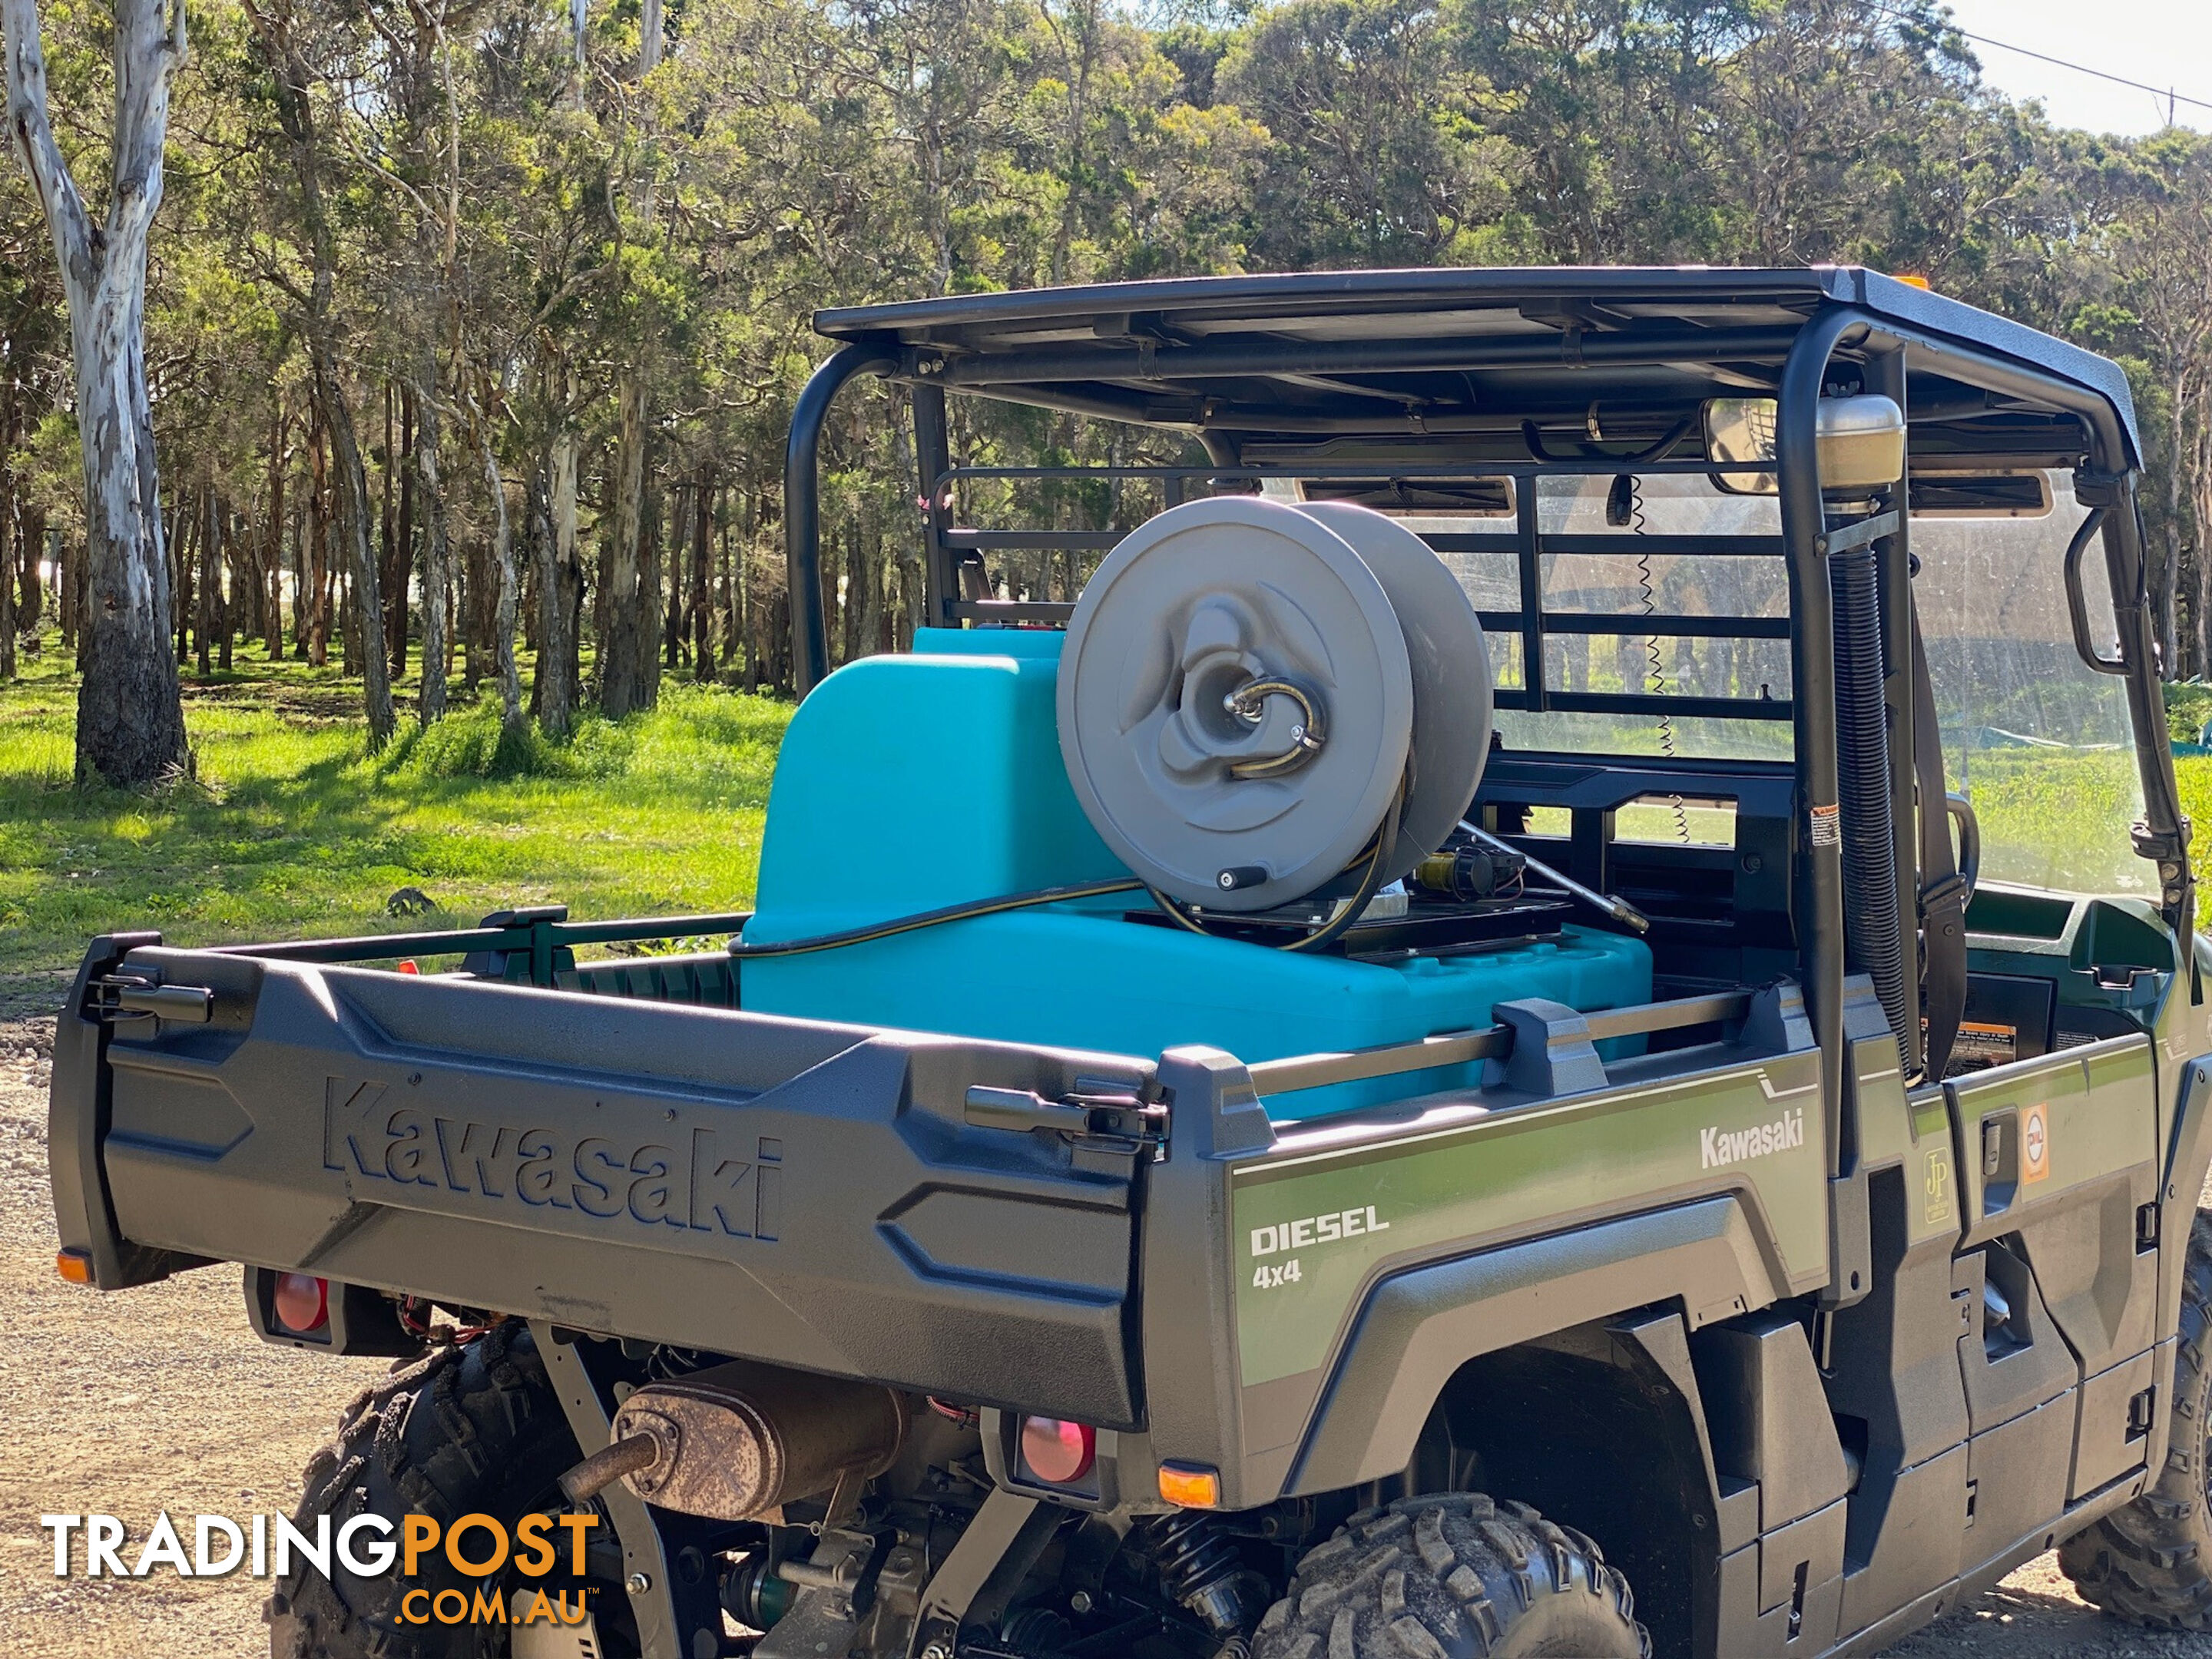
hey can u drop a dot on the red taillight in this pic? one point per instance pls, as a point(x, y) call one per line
point(407, 965)
point(302, 1303)
point(1056, 1452)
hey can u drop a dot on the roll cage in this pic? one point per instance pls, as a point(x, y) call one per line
point(1524, 374)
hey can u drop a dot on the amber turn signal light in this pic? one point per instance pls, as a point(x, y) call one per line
point(75, 1265)
point(1190, 1485)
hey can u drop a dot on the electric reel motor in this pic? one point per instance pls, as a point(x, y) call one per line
point(1250, 688)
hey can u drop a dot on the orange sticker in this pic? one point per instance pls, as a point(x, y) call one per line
point(2035, 1143)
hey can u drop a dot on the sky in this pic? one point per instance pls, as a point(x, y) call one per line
point(2161, 42)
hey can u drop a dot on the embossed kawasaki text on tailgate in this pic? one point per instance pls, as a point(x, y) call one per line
point(709, 1180)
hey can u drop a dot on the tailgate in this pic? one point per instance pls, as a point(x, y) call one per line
point(782, 1190)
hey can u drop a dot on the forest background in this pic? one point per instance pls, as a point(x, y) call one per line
point(557, 263)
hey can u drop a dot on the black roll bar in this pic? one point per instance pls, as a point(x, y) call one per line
point(802, 504)
point(1805, 554)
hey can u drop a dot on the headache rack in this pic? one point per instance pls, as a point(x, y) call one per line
point(958, 551)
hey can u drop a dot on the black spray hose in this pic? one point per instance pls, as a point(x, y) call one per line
point(1873, 940)
point(967, 912)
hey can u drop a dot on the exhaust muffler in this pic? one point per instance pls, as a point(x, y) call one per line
point(738, 1442)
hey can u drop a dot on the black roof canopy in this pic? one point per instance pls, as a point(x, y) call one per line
point(1459, 361)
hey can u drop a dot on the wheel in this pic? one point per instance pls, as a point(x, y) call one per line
point(472, 1429)
point(1453, 1576)
point(2151, 1562)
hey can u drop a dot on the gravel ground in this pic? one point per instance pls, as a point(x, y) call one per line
point(162, 1398)
point(126, 1405)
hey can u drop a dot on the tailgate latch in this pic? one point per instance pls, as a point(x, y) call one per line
point(118, 997)
point(1097, 1108)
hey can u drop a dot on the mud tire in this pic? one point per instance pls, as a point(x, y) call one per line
point(476, 1428)
point(1453, 1576)
point(2150, 1562)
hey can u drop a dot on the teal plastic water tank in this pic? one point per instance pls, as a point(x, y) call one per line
point(907, 783)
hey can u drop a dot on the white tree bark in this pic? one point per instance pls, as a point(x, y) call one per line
point(556, 648)
point(131, 723)
point(628, 643)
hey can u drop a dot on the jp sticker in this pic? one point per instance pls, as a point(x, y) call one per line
point(1935, 1190)
point(2035, 1144)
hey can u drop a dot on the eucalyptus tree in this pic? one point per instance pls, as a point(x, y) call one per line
point(131, 720)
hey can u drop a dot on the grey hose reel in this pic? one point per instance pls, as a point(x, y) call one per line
point(1248, 685)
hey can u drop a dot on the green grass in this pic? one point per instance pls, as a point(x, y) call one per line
point(289, 828)
point(2060, 818)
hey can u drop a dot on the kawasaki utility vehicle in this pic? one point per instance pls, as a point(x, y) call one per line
point(1528, 986)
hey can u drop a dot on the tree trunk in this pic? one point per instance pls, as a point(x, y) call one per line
point(2169, 575)
point(628, 658)
point(651, 581)
point(319, 543)
point(130, 718)
point(31, 544)
point(180, 580)
point(503, 586)
point(672, 623)
point(272, 545)
point(403, 557)
point(225, 585)
point(2201, 504)
point(7, 425)
point(702, 561)
point(630, 662)
point(726, 572)
point(210, 564)
point(302, 599)
point(67, 587)
point(393, 559)
point(745, 596)
point(471, 635)
point(353, 522)
point(431, 706)
point(7, 570)
point(559, 572)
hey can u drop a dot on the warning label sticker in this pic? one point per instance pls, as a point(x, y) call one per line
point(1983, 1043)
point(1827, 826)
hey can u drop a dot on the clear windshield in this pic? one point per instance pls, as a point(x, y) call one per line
point(2037, 740)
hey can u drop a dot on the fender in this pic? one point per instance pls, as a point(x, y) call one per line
point(1417, 1326)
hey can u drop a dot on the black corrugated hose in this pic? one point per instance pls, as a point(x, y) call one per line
point(1873, 936)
